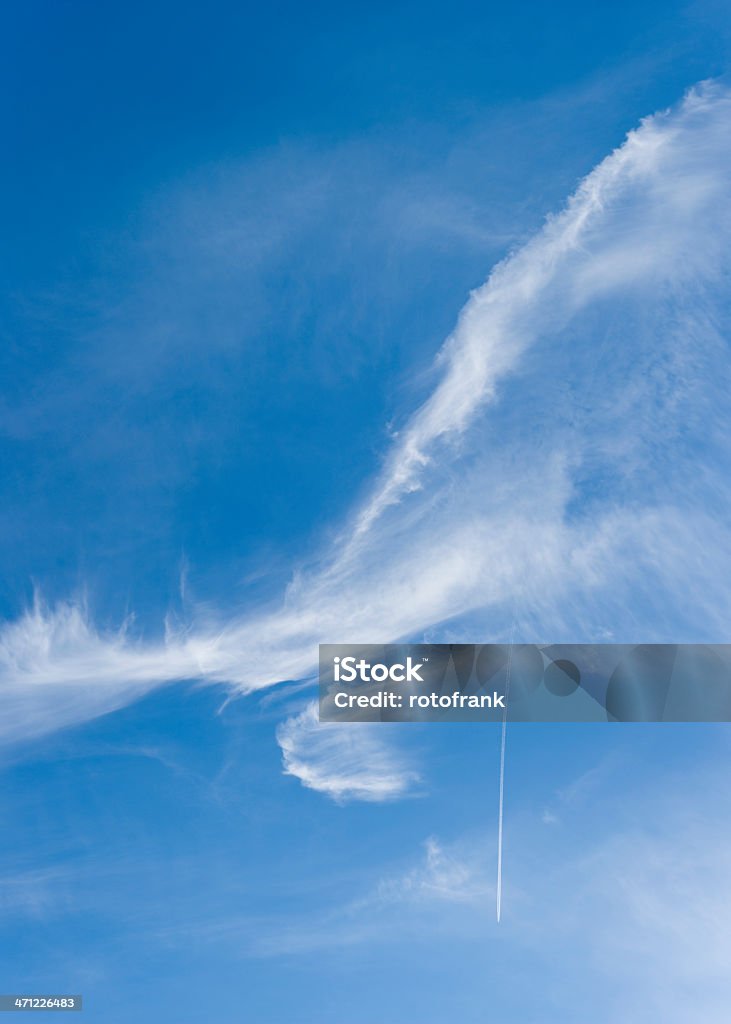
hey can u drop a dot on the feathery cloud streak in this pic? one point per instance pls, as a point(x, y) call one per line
point(546, 476)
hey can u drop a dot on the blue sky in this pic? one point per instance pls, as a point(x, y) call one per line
point(257, 394)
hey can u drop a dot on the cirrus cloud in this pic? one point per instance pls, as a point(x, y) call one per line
point(568, 471)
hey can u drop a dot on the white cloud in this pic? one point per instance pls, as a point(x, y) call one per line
point(635, 221)
point(452, 874)
point(344, 761)
point(446, 886)
point(568, 470)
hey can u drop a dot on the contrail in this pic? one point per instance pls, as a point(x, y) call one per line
point(501, 799)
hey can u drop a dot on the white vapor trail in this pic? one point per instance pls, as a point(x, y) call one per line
point(556, 484)
point(501, 798)
point(501, 801)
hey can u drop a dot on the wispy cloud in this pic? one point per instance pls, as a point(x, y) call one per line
point(653, 868)
point(343, 762)
point(453, 874)
point(445, 883)
point(633, 222)
point(545, 479)
point(36, 893)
